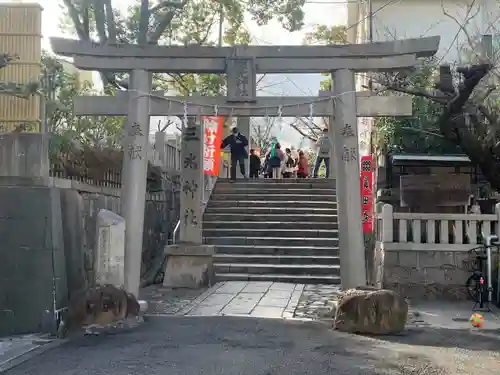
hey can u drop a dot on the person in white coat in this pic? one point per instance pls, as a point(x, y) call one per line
point(324, 145)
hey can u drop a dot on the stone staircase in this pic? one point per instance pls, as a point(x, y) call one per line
point(274, 230)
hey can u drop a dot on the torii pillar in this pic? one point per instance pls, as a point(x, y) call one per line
point(344, 133)
point(134, 175)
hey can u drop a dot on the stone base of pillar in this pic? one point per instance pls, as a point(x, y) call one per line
point(189, 266)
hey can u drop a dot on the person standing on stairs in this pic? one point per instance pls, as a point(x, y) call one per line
point(303, 166)
point(254, 164)
point(276, 161)
point(289, 168)
point(324, 145)
point(237, 143)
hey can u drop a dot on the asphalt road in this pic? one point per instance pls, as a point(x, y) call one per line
point(246, 346)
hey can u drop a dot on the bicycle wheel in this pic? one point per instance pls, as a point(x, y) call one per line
point(472, 285)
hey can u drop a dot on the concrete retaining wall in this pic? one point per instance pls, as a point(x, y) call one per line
point(82, 202)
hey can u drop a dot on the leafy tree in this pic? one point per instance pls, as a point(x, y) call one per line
point(326, 36)
point(60, 87)
point(176, 23)
point(419, 133)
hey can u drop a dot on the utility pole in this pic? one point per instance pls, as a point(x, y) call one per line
point(370, 35)
point(221, 23)
point(370, 21)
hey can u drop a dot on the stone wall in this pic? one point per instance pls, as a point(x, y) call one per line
point(80, 206)
point(425, 275)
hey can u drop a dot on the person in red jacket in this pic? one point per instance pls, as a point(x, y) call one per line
point(303, 166)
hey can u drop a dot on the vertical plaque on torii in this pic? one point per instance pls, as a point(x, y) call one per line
point(241, 79)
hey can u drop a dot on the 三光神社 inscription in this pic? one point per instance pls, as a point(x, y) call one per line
point(190, 161)
point(190, 187)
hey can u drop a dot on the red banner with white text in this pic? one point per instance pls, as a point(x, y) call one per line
point(366, 193)
point(212, 135)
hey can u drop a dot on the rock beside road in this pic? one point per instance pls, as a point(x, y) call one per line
point(371, 311)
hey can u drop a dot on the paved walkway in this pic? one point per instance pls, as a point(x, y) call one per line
point(256, 299)
point(260, 299)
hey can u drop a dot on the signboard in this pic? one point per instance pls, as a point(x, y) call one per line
point(447, 189)
point(366, 193)
point(212, 135)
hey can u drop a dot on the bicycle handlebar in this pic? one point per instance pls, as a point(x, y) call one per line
point(483, 247)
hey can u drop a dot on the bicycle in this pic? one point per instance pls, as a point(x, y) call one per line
point(476, 284)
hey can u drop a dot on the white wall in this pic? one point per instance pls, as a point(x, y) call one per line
point(417, 18)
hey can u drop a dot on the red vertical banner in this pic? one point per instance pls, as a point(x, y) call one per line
point(212, 134)
point(366, 193)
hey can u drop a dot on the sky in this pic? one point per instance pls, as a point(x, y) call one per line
point(328, 12)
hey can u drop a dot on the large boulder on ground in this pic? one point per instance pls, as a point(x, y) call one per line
point(101, 306)
point(371, 311)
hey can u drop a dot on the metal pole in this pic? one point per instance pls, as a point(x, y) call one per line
point(135, 165)
point(489, 240)
point(498, 277)
point(43, 113)
point(344, 132)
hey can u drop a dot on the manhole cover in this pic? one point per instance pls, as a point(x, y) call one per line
point(463, 320)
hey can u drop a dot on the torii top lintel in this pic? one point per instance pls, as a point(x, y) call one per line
point(269, 59)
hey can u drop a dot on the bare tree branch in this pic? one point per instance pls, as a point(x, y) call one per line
point(110, 21)
point(142, 37)
point(164, 23)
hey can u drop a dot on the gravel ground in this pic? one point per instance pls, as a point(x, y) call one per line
point(317, 301)
point(247, 346)
point(168, 301)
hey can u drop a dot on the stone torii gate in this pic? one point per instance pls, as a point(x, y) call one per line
point(242, 64)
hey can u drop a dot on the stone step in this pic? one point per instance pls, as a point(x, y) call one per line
point(288, 269)
point(278, 196)
point(270, 210)
point(283, 233)
point(252, 218)
point(271, 203)
point(270, 225)
point(220, 258)
point(276, 241)
point(272, 184)
point(237, 189)
point(277, 250)
point(296, 279)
